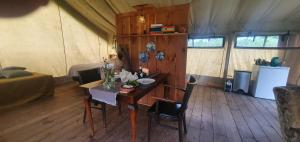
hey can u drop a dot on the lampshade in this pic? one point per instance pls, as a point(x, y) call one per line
point(141, 19)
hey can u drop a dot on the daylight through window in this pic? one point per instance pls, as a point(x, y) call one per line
point(210, 42)
point(257, 41)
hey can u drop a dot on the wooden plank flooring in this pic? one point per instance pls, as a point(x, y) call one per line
point(212, 116)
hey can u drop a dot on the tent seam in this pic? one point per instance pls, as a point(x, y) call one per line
point(63, 39)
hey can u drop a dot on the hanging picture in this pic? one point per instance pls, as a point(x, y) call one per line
point(160, 56)
point(151, 47)
point(143, 57)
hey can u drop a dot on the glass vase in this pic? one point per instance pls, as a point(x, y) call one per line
point(109, 82)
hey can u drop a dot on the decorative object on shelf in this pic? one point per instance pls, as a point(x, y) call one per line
point(160, 56)
point(143, 57)
point(168, 29)
point(150, 46)
point(276, 62)
point(261, 62)
point(108, 70)
point(156, 28)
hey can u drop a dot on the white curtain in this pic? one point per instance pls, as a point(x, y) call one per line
point(207, 62)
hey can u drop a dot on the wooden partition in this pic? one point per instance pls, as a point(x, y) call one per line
point(135, 36)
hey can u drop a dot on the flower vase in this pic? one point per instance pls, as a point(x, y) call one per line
point(109, 82)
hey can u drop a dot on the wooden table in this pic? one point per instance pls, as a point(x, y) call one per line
point(132, 98)
point(91, 84)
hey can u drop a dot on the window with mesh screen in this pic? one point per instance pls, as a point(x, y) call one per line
point(269, 41)
point(206, 42)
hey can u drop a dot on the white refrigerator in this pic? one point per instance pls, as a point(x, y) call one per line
point(266, 78)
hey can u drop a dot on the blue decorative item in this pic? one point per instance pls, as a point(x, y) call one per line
point(160, 56)
point(150, 46)
point(276, 62)
point(143, 57)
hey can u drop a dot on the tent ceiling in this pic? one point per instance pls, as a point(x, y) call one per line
point(221, 16)
point(122, 6)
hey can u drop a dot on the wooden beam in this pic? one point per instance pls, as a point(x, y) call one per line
point(230, 43)
point(83, 8)
point(106, 15)
point(112, 7)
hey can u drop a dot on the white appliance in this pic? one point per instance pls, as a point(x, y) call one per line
point(266, 78)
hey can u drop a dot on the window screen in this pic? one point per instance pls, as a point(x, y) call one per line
point(257, 41)
point(208, 42)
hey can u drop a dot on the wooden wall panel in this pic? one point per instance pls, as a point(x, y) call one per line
point(130, 33)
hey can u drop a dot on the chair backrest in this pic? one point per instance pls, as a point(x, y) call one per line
point(188, 92)
point(90, 75)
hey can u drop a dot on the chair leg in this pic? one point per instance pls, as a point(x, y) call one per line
point(103, 106)
point(120, 109)
point(84, 113)
point(157, 118)
point(156, 115)
point(84, 116)
point(184, 124)
point(180, 129)
point(88, 110)
point(149, 127)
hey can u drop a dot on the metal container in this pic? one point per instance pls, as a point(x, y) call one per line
point(241, 81)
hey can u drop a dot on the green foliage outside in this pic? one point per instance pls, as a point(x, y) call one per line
point(257, 41)
point(205, 42)
point(241, 41)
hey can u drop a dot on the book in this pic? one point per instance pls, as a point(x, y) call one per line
point(168, 29)
point(156, 25)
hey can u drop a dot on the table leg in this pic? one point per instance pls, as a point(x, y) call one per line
point(87, 105)
point(133, 109)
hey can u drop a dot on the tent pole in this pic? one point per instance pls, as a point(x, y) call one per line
point(230, 43)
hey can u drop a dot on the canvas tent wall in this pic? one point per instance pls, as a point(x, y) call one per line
point(48, 37)
point(207, 17)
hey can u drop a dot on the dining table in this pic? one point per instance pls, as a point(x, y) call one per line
point(130, 99)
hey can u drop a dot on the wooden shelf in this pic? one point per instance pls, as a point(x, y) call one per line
point(147, 35)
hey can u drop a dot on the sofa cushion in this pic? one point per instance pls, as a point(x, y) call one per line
point(15, 73)
point(14, 68)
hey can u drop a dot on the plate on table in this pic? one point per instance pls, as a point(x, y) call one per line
point(145, 81)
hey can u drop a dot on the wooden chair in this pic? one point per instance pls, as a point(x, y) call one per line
point(171, 110)
point(87, 76)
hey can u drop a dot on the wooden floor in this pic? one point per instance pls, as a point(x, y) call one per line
point(212, 117)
